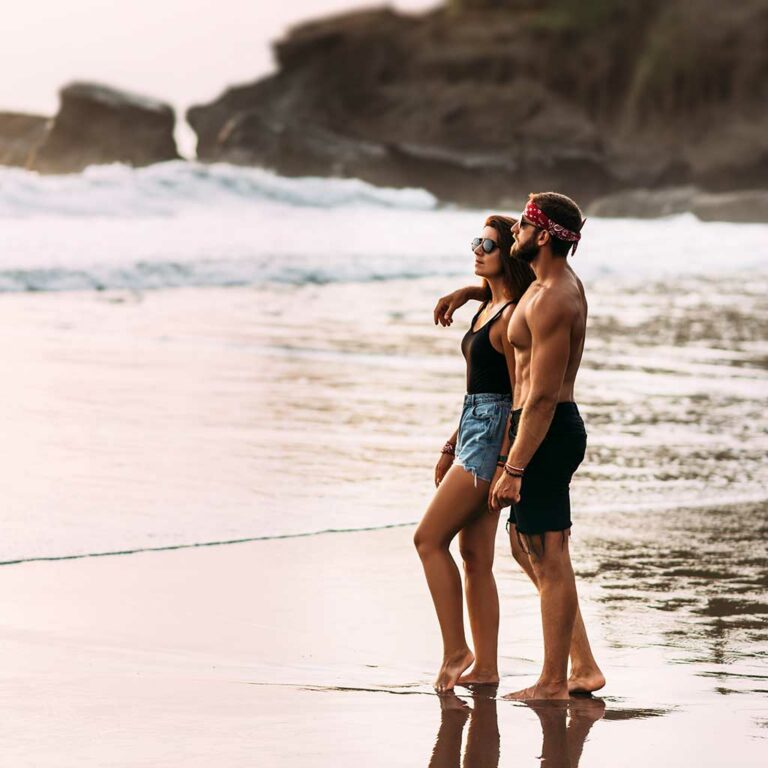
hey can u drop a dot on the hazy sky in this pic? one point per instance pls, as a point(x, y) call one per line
point(182, 51)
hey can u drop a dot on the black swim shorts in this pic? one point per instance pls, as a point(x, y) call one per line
point(545, 501)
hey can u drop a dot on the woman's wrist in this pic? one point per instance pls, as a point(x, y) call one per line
point(449, 448)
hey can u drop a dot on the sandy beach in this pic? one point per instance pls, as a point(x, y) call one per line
point(320, 651)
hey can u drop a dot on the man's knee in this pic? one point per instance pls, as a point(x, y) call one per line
point(551, 566)
point(547, 551)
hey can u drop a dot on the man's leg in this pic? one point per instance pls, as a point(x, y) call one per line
point(585, 676)
point(550, 558)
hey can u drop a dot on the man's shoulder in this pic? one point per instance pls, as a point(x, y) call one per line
point(559, 303)
point(561, 294)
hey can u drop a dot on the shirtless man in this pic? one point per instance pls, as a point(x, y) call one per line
point(547, 435)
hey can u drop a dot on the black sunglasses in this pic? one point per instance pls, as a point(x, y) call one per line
point(489, 246)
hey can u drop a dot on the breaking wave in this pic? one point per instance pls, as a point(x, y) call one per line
point(169, 188)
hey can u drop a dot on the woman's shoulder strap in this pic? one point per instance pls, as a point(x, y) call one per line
point(477, 314)
point(499, 313)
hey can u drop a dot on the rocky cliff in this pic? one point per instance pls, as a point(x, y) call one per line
point(97, 124)
point(20, 135)
point(484, 101)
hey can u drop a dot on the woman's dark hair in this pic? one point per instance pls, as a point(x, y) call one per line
point(518, 275)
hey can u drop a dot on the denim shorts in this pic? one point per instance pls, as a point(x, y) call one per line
point(481, 433)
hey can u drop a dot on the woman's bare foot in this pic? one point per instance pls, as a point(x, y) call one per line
point(540, 692)
point(479, 676)
point(588, 681)
point(451, 671)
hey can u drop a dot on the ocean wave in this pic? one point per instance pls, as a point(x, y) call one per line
point(168, 188)
point(146, 276)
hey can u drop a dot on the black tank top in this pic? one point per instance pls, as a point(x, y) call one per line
point(486, 368)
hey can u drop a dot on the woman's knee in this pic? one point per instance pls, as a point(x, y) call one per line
point(476, 559)
point(427, 543)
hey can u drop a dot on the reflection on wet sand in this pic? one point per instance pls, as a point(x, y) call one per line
point(564, 725)
point(701, 573)
point(483, 741)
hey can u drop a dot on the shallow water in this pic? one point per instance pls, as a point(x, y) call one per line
point(194, 415)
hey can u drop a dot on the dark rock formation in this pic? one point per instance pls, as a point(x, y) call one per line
point(20, 135)
point(96, 124)
point(489, 99)
point(739, 206)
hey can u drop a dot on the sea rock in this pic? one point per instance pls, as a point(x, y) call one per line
point(96, 124)
point(486, 100)
point(742, 206)
point(20, 135)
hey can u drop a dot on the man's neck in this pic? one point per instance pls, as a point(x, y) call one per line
point(546, 266)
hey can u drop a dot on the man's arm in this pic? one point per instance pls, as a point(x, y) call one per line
point(550, 323)
point(447, 305)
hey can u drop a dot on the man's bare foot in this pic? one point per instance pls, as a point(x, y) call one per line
point(540, 692)
point(587, 682)
point(451, 671)
point(478, 676)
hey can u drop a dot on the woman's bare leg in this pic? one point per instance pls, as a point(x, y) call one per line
point(476, 543)
point(585, 676)
point(455, 502)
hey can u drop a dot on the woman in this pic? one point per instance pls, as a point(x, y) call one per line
point(469, 465)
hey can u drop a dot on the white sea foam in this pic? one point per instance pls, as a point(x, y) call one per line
point(187, 224)
point(171, 188)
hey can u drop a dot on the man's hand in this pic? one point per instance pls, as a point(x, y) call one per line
point(447, 305)
point(505, 492)
point(495, 479)
point(444, 463)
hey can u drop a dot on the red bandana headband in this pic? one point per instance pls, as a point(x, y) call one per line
point(540, 219)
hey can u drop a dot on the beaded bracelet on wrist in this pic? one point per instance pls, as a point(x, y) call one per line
point(449, 448)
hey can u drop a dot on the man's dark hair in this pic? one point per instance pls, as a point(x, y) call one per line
point(563, 211)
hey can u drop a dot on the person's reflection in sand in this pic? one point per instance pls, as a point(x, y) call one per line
point(563, 743)
point(564, 724)
point(482, 749)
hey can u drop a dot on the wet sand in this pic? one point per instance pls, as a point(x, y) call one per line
point(320, 651)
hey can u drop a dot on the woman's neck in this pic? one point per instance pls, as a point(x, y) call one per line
point(499, 291)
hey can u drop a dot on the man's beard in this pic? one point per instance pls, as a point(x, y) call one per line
point(526, 253)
